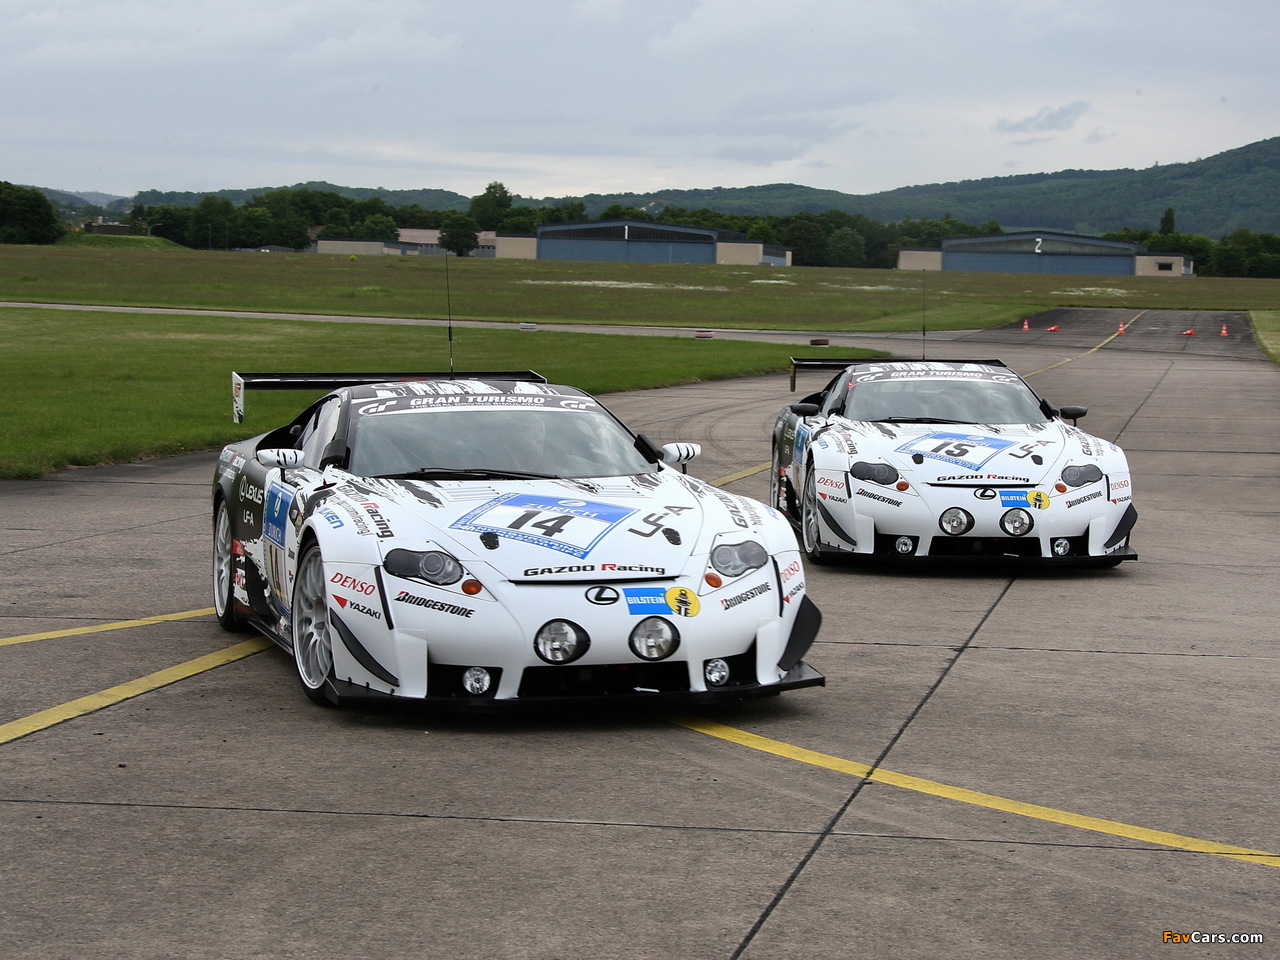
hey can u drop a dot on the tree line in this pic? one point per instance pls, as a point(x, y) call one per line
point(293, 218)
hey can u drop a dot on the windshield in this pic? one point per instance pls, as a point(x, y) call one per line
point(493, 441)
point(943, 400)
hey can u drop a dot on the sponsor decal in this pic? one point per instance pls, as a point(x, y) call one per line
point(833, 498)
point(358, 607)
point(757, 591)
point(731, 504)
point(863, 492)
point(249, 491)
point(829, 482)
point(791, 570)
point(566, 525)
point(379, 521)
point(353, 584)
point(1024, 498)
point(1096, 495)
point(602, 596)
point(646, 601)
point(1116, 487)
point(683, 602)
point(439, 606)
point(802, 441)
point(594, 568)
point(998, 477)
point(793, 591)
point(985, 493)
point(331, 517)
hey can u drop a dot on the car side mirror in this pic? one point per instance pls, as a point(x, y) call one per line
point(803, 409)
point(680, 452)
point(281, 457)
point(1073, 412)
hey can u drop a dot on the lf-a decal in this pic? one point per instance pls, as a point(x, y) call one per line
point(568, 525)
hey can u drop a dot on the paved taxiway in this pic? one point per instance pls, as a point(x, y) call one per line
point(1002, 764)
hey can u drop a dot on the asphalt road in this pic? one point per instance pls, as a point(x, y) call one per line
point(1049, 765)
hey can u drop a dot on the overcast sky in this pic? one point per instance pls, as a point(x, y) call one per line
point(567, 97)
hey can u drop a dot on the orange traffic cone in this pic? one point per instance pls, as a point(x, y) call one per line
point(1052, 329)
point(1224, 331)
point(1026, 324)
point(1121, 330)
point(1189, 333)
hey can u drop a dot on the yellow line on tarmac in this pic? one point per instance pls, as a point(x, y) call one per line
point(1087, 352)
point(133, 688)
point(100, 628)
point(960, 794)
point(741, 475)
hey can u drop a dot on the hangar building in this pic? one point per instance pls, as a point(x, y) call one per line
point(641, 241)
point(1046, 252)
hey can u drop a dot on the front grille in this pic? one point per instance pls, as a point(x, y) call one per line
point(984, 547)
point(615, 680)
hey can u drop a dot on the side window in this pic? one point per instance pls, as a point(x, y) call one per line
point(318, 431)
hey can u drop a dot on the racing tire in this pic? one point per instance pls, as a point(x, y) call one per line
point(311, 634)
point(809, 541)
point(224, 571)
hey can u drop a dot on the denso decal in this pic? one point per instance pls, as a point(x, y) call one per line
point(353, 584)
point(968, 450)
point(790, 570)
point(564, 524)
point(756, 591)
point(828, 482)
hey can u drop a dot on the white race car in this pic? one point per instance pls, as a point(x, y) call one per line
point(960, 459)
point(494, 538)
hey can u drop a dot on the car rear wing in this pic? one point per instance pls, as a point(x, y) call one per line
point(835, 363)
point(322, 382)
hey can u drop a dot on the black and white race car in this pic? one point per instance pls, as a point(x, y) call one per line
point(494, 538)
point(914, 459)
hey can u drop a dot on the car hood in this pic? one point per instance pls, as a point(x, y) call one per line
point(613, 528)
point(963, 454)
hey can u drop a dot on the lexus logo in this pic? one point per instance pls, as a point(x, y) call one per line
point(985, 493)
point(602, 596)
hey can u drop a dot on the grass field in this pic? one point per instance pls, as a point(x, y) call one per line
point(86, 388)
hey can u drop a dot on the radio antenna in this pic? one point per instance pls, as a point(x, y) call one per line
point(924, 324)
point(448, 309)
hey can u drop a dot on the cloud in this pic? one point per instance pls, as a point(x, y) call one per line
point(1047, 119)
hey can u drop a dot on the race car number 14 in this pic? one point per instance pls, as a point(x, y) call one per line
point(563, 524)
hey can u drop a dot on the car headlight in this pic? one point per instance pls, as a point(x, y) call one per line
point(560, 641)
point(1074, 476)
point(882, 473)
point(735, 559)
point(433, 566)
point(1017, 522)
point(654, 638)
point(955, 521)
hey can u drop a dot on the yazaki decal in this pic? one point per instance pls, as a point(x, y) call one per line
point(565, 524)
point(969, 450)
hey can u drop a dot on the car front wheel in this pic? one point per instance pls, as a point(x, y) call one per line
point(312, 639)
point(224, 568)
point(809, 520)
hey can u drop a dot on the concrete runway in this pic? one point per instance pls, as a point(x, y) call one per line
point(1049, 765)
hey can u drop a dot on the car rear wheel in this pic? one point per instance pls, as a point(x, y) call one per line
point(809, 520)
point(224, 569)
point(312, 639)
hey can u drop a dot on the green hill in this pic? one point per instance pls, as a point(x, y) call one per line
point(1212, 197)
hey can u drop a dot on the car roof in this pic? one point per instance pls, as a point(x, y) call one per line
point(460, 388)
